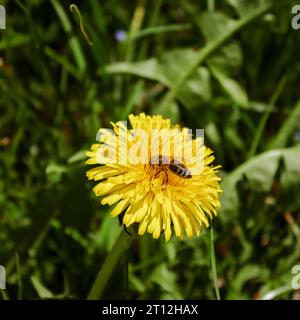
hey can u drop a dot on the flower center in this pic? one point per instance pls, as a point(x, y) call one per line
point(159, 175)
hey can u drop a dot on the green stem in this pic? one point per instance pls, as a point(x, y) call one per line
point(213, 263)
point(121, 245)
point(19, 276)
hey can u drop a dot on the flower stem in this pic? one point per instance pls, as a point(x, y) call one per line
point(121, 245)
point(213, 263)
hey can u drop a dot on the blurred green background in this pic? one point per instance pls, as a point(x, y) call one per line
point(230, 67)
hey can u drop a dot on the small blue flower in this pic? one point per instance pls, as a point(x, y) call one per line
point(120, 35)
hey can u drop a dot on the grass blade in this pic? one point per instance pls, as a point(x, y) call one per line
point(264, 119)
point(19, 277)
point(287, 129)
point(213, 263)
point(74, 42)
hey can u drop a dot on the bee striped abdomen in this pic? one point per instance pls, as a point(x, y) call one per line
point(176, 167)
point(180, 170)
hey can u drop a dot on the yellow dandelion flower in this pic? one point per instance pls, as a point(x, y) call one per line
point(140, 174)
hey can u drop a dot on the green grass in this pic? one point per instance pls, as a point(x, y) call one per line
point(230, 67)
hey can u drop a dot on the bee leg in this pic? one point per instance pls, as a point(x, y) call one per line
point(124, 227)
point(120, 220)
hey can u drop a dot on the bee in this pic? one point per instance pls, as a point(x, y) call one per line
point(178, 168)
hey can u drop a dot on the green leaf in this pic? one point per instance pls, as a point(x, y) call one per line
point(208, 50)
point(78, 156)
point(260, 172)
point(291, 174)
point(43, 292)
point(148, 69)
point(172, 112)
point(237, 94)
point(233, 136)
point(166, 279)
point(229, 199)
point(55, 171)
point(215, 25)
point(63, 61)
point(213, 134)
point(247, 273)
point(168, 67)
point(244, 7)
point(14, 41)
point(277, 292)
point(229, 58)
